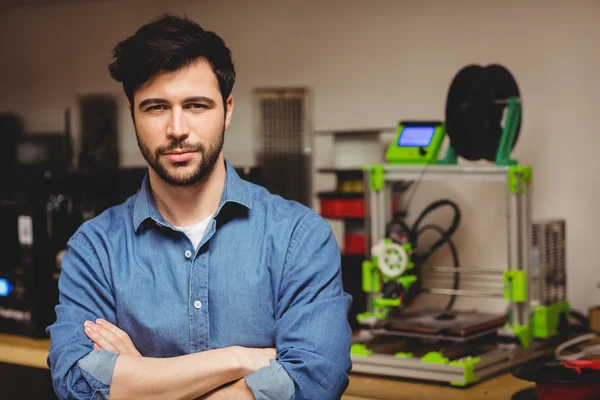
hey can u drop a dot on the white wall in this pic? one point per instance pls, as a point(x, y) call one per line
point(367, 64)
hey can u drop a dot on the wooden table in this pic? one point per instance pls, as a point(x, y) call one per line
point(24, 351)
point(32, 353)
point(501, 387)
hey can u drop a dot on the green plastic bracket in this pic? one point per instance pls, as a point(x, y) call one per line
point(360, 317)
point(526, 173)
point(376, 180)
point(547, 318)
point(360, 350)
point(509, 132)
point(450, 158)
point(523, 332)
point(380, 316)
point(468, 365)
point(383, 302)
point(403, 355)
point(515, 286)
point(407, 281)
point(370, 280)
point(434, 357)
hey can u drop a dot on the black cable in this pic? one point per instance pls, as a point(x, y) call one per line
point(456, 280)
point(399, 231)
point(423, 256)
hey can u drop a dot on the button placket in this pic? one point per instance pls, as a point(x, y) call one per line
point(205, 317)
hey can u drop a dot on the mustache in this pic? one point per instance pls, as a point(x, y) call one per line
point(161, 150)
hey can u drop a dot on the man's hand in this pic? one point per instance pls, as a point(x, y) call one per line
point(110, 338)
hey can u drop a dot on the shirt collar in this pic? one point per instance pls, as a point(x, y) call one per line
point(235, 191)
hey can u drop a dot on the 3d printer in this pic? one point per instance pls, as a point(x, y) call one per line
point(483, 116)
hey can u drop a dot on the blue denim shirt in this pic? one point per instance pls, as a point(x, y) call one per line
point(266, 274)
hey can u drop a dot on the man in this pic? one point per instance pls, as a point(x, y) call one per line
point(201, 285)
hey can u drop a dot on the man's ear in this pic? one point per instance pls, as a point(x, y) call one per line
point(228, 110)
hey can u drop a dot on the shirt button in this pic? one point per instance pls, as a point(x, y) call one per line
point(188, 254)
point(197, 304)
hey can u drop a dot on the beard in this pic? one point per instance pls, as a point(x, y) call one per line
point(174, 174)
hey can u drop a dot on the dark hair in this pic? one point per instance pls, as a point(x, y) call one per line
point(166, 44)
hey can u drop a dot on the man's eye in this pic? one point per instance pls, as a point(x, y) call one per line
point(196, 106)
point(157, 107)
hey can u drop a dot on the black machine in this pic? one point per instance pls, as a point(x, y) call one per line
point(42, 203)
point(39, 211)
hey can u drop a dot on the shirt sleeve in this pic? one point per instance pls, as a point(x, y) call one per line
point(312, 332)
point(78, 371)
point(271, 383)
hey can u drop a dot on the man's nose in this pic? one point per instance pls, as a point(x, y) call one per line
point(178, 126)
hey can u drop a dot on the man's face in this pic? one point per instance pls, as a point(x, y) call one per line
point(180, 123)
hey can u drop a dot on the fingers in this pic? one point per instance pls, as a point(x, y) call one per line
point(108, 337)
point(93, 333)
point(123, 336)
point(113, 339)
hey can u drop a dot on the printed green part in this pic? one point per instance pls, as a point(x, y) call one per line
point(514, 171)
point(376, 180)
point(468, 365)
point(360, 317)
point(360, 350)
point(407, 281)
point(547, 318)
point(370, 280)
point(509, 132)
point(515, 286)
point(403, 355)
point(434, 357)
point(523, 332)
point(450, 158)
point(383, 302)
point(380, 316)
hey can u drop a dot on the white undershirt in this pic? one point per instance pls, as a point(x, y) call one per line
point(196, 232)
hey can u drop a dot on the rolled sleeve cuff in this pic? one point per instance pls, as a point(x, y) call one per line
point(99, 364)
point(271, 383)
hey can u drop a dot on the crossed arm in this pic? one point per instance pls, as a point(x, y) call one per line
point(222, 370)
